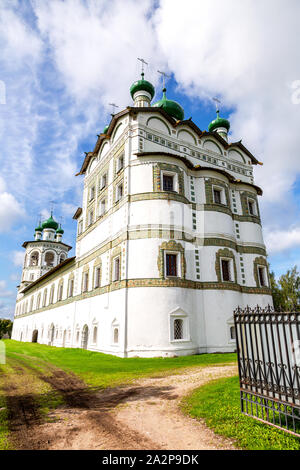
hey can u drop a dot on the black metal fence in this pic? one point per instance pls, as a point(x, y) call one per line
point(268, 346)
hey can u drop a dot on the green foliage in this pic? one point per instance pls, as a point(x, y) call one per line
point(104, 370)
point(286, 292)
point(218, 403)
point(5, 327)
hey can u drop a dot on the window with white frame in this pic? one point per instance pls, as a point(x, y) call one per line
point(252, 207)
point(116, 269)
point(71, 288)
point(51, 295)
point(119, 192)
point(179, 327)
point(90, 217)
point(92, 193)
point(262, 276)
point(232, 333)
point(80, 227)
point(60, 291)
point(102, 207)
point(218, 195)
point(120, 163)
point(45, 298)
point(97, 277)
point(103, 181)
point(226, 269)
point(169, 181)
point(85, 284)
point(115, 335)
point(95, 334)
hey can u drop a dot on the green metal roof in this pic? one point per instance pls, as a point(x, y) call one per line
point(50, 223)
point(171, 107)
point(142, 85)
point(219, 122)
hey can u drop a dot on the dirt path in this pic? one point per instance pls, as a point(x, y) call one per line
point(145, 415)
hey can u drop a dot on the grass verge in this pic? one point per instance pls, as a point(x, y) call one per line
point(104, 370)
point(218, 403)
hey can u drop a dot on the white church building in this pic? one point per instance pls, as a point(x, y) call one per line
point(169, 242)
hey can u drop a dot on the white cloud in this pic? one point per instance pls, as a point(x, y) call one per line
point(280, 240)
point(3, 290)
point(245, 52)
point(18, 258)
point(10, 211)
point(95, 45)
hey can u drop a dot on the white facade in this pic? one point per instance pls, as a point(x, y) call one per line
point(157, 272)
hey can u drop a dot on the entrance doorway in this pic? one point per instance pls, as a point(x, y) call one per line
point(34, 336)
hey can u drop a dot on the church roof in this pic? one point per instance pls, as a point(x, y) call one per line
point(48, 273)
point(78, 213)
point(41, 242)
point(190, 165)
point(150, 109)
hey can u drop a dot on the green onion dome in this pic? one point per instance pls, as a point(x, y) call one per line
point(105, 129)
point(39, 228)
point(50, 223)
point(171, 107)
point(142, 85)
point(219, 122)
point(60, 230)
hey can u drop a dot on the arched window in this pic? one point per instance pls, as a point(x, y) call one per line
point(34, 258)
point(60, 290)
point(62, 257)
point(232, 332)
point(44, 298)
point(95, 334)
point(116, 335)
point(178, 328)
point(49, 259)
point(85, 337)
point(38, 301)
point(51, 294)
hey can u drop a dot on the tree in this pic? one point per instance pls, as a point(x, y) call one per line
point(276, 292)
point(5, 327)
point(286, 292)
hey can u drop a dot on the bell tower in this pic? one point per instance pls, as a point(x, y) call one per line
point(45, 252)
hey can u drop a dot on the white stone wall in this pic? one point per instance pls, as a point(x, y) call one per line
point(144, 315)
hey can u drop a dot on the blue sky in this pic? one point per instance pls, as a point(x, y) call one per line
point(62, 62)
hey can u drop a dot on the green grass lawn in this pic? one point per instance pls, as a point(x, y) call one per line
point(4, 442)
point(218, 403)
point(103, 370)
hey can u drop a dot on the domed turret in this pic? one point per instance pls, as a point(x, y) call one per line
point(50, 223)
point(171, 107)
point(221, 125)
point(59, 233)
point(49, 227)
point(38, 232)
point(142, 92)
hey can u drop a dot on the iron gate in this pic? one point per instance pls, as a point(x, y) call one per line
point(268, 346)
